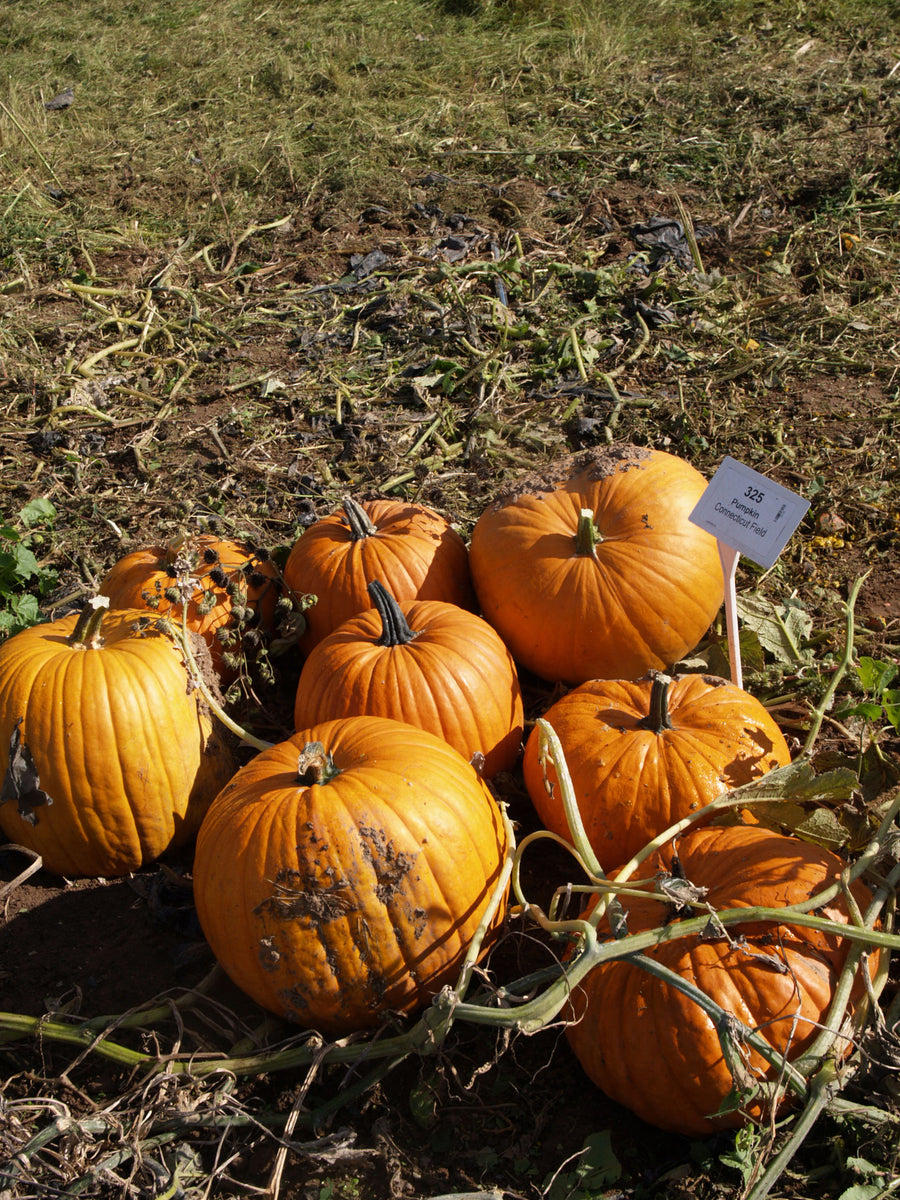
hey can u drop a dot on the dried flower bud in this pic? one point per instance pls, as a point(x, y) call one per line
point(210, 555)
point(219, 577)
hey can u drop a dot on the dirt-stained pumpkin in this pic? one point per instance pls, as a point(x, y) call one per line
point(229, 588)
point(341, 875)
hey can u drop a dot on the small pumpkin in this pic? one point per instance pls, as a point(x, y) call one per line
point(427, 662)
point(342, 874)
point(653, 1049)
point(109, 756)
point(644, 755)
point(229, 587)
point(595, 571)
point(415, 552)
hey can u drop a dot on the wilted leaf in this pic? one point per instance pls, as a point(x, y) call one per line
point(781, 628)
point(21, 782)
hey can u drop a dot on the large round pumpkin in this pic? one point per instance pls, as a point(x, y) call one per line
point(653, 1049)
point(644, 755)
point(594, 571)
point(109, 755)
point(415, 552)
point(342, 874)
point(230, 587)
point(427, 662)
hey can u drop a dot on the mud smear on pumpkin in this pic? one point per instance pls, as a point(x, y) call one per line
point(390, 866)
point(296, 896)
point(599, 463)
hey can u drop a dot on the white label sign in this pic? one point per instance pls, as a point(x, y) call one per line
point(749, 512)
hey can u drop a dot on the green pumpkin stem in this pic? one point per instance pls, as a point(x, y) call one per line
point(315, 765)
point(395, 628)
point(360, 525)
point(87, 634)
point(587, 535)
point(658, 719)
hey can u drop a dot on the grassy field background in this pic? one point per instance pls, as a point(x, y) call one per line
point(256, 256)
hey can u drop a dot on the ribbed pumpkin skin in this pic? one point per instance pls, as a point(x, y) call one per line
point(140, 580)
point(648, 1046)
point(455, 678)
point(334, 904)
point(130, 759)
point(415, 553)
point(632, 783)
point(640, 602)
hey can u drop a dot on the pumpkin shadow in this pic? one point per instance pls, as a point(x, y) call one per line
point(94, 946)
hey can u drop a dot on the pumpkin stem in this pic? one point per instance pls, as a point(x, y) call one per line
point(315, 765)
point(395, 627)
point(658, 719)
point(87, 633)
point(587, 535)
point(360, 525)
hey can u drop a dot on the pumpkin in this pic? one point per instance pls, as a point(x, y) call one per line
point(411, 549)
point(229, 587)
point(427, 662)
point(644, 755)
point(653, 1049)
point(109, 756)
point(341, 875)
point(595, 570)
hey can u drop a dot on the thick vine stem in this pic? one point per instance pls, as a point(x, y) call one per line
point(358, 519)
point(395, 627)
point(846, 659)
point(657, 719)
point(88, 631)
point(587, 535)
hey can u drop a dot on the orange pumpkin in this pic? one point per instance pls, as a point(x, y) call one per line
point(110, 758)
point(644, 755)
point(229, 587)
point(342, 874)
point(595, 571)
point(413, 550)
point(432, 664)
point(653, 1049)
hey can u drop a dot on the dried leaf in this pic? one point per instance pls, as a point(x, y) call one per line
point(21, 781)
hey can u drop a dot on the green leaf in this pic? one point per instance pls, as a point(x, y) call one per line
point(863, 1191)
point(890, 702)
point(875, 676)
point(865, 708)
point(26, 565)
point(798, 781)
point(39, 511)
